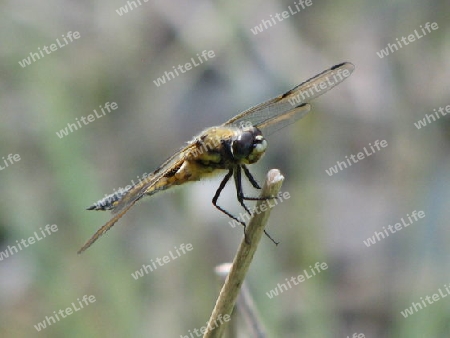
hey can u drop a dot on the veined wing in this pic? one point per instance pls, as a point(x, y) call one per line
point(290, 106)
point(142, 187)
point(106, 227)
point(278, 121)
point(139, 190)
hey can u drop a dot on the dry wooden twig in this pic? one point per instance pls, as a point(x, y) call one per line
point(244, 256)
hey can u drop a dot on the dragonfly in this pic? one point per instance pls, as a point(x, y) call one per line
point(227, 148)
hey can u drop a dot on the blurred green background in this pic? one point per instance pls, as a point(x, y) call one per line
point(117, 59)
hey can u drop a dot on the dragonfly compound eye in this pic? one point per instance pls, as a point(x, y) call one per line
point(250, 145)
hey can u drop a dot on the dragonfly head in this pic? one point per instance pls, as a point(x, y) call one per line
point(249, 146)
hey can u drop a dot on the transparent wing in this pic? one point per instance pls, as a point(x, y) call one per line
point(292, 103)
point(106, 227)
point(279, 121)
point(139, 190)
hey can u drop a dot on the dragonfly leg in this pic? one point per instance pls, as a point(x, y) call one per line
point(250, 177)
point(254, 184)
point(240, 194)
point(216, 197)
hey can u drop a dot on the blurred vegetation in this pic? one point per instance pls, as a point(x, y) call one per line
point(116, 59)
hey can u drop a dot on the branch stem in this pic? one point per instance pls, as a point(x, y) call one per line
point(244, 256)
